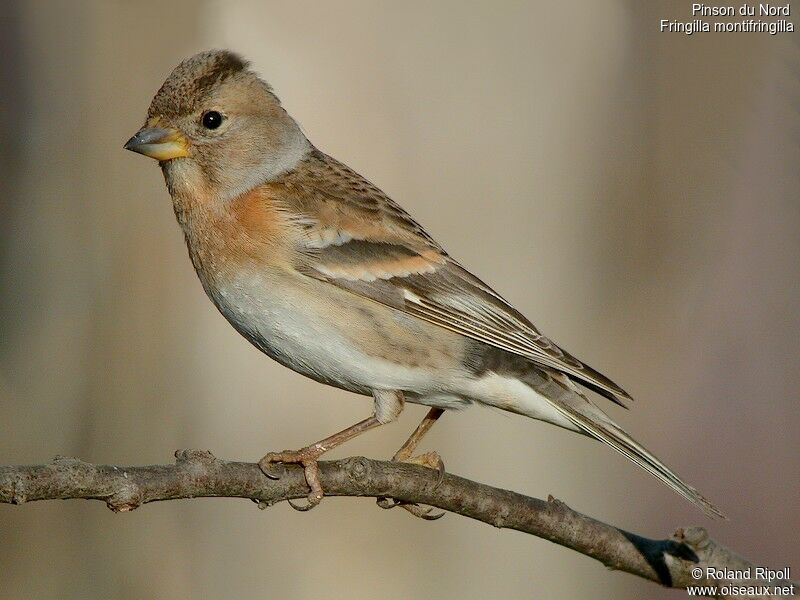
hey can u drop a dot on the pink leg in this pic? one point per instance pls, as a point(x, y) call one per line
point(429, 459)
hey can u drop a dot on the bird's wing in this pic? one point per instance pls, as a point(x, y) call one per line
point(358, 239)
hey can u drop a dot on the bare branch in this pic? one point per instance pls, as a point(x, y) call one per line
point(199, 474)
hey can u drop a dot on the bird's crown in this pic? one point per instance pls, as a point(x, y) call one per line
point(193, 79)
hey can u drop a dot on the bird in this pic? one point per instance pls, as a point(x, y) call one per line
point(323, 272)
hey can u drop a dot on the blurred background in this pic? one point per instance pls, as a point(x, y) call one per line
point(636, 193)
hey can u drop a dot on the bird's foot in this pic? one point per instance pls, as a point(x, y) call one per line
point(431, 460)
point(307, 457)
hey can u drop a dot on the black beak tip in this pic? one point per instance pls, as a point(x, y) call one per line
point(131, 144)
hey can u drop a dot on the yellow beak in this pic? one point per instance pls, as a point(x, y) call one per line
point(160, 143)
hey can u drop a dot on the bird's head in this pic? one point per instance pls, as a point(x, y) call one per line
point(217, 129)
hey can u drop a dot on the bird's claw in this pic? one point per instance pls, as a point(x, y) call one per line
point(305, 507)
point(267, 463)
point(411, 507)
point(308, 459)
point(441, 471)
point(431, 460)
point(422, 513)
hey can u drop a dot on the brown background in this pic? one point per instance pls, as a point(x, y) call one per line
point(636, 193)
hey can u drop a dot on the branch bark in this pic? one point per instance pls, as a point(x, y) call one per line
point(194, 474)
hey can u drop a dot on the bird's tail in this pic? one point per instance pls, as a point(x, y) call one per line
point(579, 411)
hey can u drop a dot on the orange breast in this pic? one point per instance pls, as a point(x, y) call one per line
point(224, 238)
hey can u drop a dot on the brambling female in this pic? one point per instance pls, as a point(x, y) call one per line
point(324, 273)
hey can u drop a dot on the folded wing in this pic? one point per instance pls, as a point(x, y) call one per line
point(356, 238)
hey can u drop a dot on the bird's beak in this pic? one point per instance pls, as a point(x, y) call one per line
point(160, 143)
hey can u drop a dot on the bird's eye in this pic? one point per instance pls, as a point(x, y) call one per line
point(211, 119)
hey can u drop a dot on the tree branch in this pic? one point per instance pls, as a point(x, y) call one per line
point(199, 474)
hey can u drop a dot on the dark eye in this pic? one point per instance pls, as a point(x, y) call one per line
point(211, 119)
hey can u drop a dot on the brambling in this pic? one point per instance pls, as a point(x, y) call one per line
point(324, 273)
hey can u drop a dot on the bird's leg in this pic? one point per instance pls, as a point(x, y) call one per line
point(388, 406)
point(428, 459)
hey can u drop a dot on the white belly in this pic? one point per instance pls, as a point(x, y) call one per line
point(306, 333)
